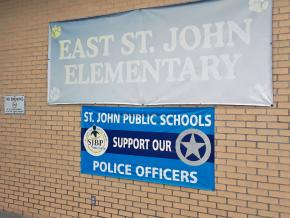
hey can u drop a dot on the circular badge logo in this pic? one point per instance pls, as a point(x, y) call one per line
point(95, 141)
point(186, 145)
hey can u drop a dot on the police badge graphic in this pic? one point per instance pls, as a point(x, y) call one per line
point(95, 141)
point(193, 147)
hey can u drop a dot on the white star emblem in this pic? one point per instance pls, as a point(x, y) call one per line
point(192, 147)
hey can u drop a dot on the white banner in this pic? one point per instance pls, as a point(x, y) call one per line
point(207, 52)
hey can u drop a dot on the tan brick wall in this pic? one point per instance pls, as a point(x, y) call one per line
point(39, 151)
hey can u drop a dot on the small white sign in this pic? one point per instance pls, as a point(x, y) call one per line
point(14, 104)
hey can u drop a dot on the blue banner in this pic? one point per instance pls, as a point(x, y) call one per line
point(173, 146)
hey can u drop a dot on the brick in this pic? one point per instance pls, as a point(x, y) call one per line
point(155, 207)
point(234, 214)
point(284, 215)
point(247, 210)
point(226, 207)
point(277, 208)
point(125, 213)
point(203, 215)
point(265, 213)
point(40, 168)
point(148, 212)
point(162, 214)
